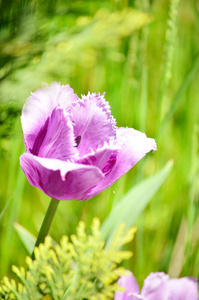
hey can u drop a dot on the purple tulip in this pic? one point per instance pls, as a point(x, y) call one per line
point(158, 286)
point(73, 148)
point(130, 284)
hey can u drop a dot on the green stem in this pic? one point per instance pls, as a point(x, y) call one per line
point(46, 223)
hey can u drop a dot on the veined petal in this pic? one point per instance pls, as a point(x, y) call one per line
point(39, 106)
point(59, 179)
point(104, 158)
point(134, 145)
point(93, 123)
point(56, 139)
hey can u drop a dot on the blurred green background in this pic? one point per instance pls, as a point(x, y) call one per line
point(144, 55)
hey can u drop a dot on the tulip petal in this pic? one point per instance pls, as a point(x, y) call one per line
point(104, 158)
point(93, 123)
point(159, 286)
point(181, 288)
point(39, 106)
point(59, 179)
point(134, 296)
point(56, 140)
point(134, 145)
point(153, 286)
point(128, 282)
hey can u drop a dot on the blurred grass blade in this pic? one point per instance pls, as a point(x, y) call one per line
point(13, 216)
point(180, 93)
point(4, 209)
point(15, 186)
point(25, 236)
point(178, 254)
point(134, 202)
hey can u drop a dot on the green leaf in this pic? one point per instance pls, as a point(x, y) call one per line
point(25, 236)
point(134, 202)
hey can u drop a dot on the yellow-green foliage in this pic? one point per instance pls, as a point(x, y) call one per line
point(81, 269)
point(59, 43)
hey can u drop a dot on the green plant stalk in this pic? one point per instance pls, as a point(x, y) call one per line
point(168, 55)
point(46, 223)
point(190, 75)
point(192, 195)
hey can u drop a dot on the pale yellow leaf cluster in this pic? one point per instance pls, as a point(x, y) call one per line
point(79, 268)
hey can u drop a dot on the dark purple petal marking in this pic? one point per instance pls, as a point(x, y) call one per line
point(39, 139)
point(58, 141)
point(78, 140)
point(110, 163)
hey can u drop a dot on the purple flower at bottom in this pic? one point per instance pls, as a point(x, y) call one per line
point(130, 284)
point(158, 286)
point(74, 150)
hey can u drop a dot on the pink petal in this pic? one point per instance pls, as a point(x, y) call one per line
point(134, 145)
point(153, 286)
point(39, 106)
point(181, 288)
point(59, 179)
point(159, 286)
point(56, 140)
point(135, 296)
point(93, 123)
point(128, 282)
point(104, 158)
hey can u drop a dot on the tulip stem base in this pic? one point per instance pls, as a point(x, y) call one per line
point(45, 227)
